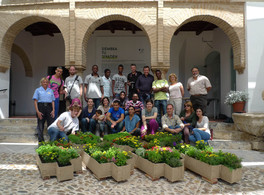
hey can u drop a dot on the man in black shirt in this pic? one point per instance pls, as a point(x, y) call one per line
point(132, 79)
point(144, 85)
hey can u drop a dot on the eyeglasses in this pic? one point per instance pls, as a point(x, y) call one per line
point(186, 106)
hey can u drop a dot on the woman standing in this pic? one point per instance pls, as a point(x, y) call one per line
point(44, 106)
point(188, 117)
point(176, 92)
point(149, 116)
point(202, 131)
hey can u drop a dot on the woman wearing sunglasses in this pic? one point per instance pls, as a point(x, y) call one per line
point(188, 117)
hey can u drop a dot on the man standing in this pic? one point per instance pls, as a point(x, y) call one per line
point(107, 84)
point(56, 84)
point(198, 87)
point(138, 105)
point(119, 82)
point(160, 88)
point(73, 86)
point(132, 79)
point(115, 117)
point(144, 85)
point(132, 122)
point(171, 122)
point(95, 84)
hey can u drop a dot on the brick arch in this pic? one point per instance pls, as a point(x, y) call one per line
point(109, 18)
point(10, 35)
point(231, 32)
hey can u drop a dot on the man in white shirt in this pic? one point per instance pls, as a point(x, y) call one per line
point(73, 86)
point(119, 82)
point(94, 87)
point(198, 87)
point(107, 84)
point(65, 124)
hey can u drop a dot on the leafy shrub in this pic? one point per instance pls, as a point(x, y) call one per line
point(174, 162)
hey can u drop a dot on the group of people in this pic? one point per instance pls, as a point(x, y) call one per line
point(112, 108)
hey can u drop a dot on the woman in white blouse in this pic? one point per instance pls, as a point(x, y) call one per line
point(201, 131)
point(176, 92)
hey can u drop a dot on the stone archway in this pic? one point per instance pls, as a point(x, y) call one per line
point(10, 35)
point(106, 19)
point(234, 33)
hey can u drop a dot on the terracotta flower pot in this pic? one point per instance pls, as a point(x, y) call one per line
point(239, 106)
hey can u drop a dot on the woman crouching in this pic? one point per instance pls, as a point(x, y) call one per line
point(67, 123)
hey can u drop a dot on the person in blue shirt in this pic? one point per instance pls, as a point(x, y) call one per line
point(132, 122)
point(87, 121)
point(115, 117)
point(44, 106)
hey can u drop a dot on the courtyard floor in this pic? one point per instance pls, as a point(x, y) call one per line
point(19, 175)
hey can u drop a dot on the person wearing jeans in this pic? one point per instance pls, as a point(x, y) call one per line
point(202, 131)
point(87, 123)
point(115, 117)
point(66, 123)
point(160, 88)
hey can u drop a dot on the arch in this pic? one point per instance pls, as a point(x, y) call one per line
point(23, 56)
point(103, 20)
point(229, 30)
point(12, 32)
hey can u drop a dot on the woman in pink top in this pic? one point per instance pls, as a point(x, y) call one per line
point(176, 92)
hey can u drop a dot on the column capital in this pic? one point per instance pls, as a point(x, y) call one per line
point(3, 68)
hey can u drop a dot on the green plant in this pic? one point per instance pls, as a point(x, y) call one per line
point(104, 145)
point(111, 137)
point(201, 145)
point(64, 158)
point(84, 138)
point(100, 156)
point(73, 153)
point(153, 156)
point(131, 141)
point(236, 96)
point(174, 162)
point(121, 158)
point(48, 153)
point(230, 160)
point(183, 147)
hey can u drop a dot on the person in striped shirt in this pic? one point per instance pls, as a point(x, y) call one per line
point(138, 105)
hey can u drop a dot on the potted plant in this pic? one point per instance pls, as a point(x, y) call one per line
point(64, 169)
point(174, 169)
point(127, 143)
point(120, 168)
point(231, 169)
point(46, 160)
point(237, 99)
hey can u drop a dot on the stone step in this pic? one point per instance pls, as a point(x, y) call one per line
point(230, 144)
point(234, 135)
point(221, 125)
point(22, 138)
point(18, 121)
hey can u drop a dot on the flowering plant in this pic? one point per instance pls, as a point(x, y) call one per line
point(48, 153)
point(131, 141)
point(201, 145)
point(64, 157)
point(84, 138)
point(111, 137)
point(236, 96)
point(230, 160)
point(162, 139)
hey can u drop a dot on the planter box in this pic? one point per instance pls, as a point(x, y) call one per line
point(46, 169)
point(155, 171)
point(132, 161)
point(230, 175)
point(100, 170)
point(77, 164)
point(64, 173)
point(174, 173)
point(208, 171)
point(120, 173)
point(124, 147)
point(86, 158)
